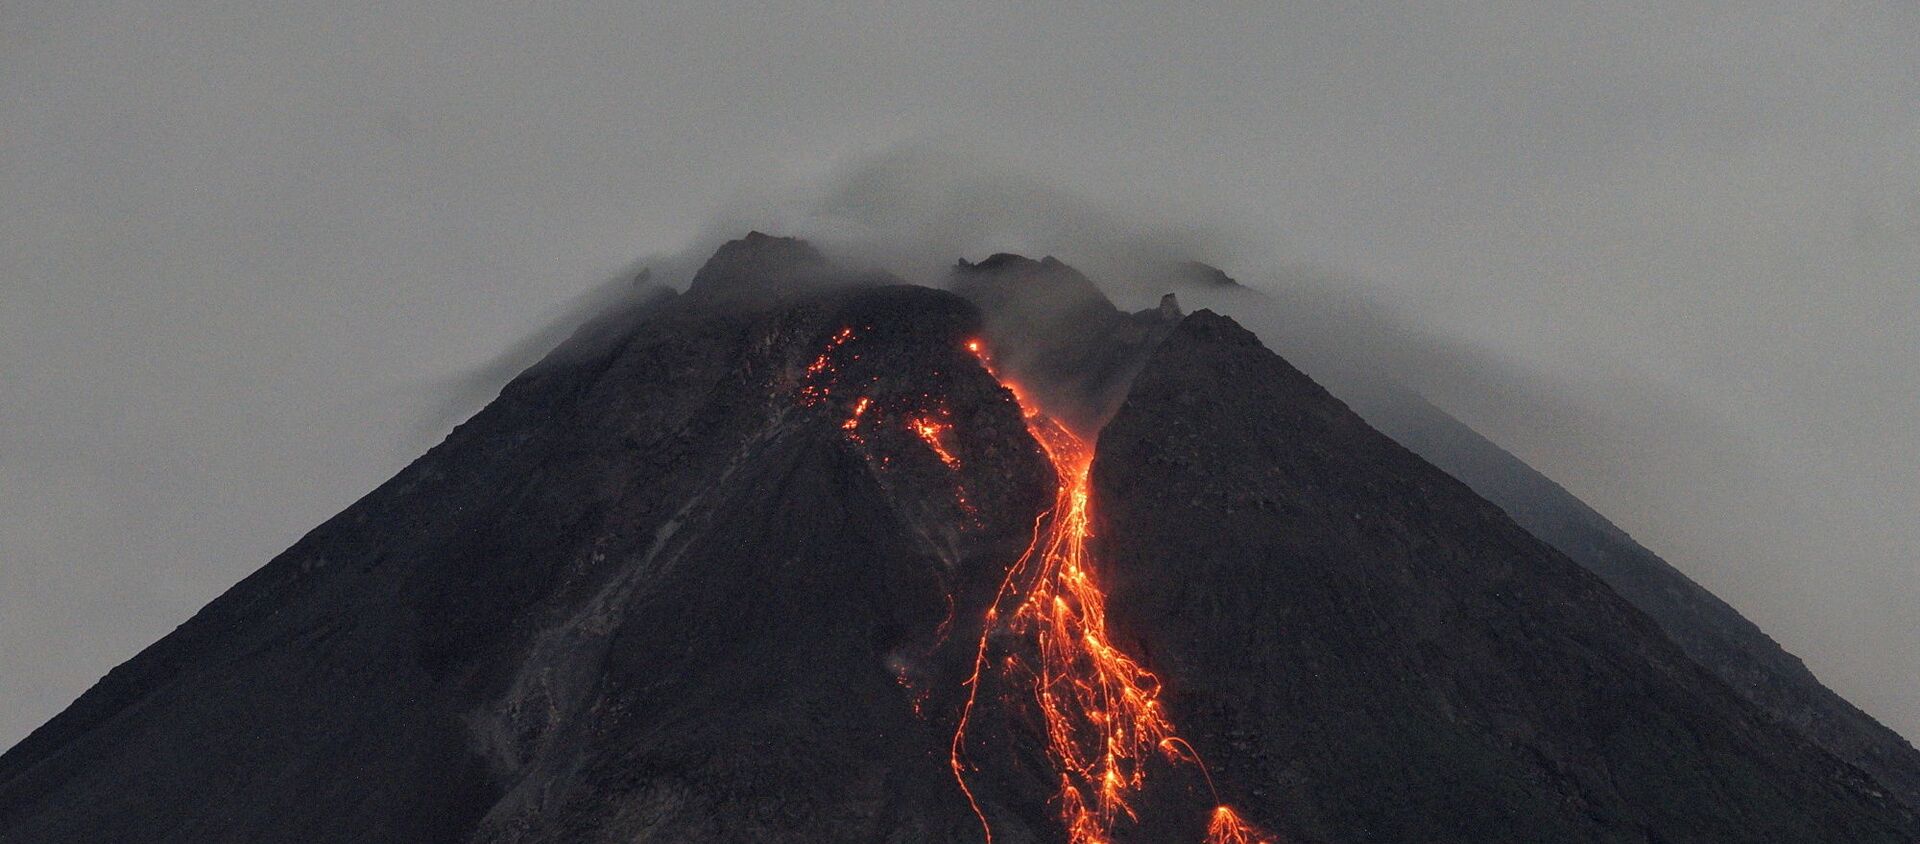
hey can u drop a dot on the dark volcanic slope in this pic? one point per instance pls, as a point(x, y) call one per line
point(645, 595)
point(1709, 630)
point(1367, 651)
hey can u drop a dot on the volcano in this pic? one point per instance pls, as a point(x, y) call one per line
point(809, 554)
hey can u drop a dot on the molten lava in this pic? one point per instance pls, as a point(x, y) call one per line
point(1227, 828)
point(1101, 708)
point(931, 430)
point(815, 388)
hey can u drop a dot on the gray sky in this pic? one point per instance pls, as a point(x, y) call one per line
point(247, 256)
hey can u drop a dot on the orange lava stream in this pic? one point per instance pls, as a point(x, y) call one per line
point(930, 431)
point(1101, 708)
point(1227, 828)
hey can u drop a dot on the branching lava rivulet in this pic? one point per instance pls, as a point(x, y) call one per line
point(1100, 708)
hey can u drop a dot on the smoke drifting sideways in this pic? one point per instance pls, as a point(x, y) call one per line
point(1663, 466)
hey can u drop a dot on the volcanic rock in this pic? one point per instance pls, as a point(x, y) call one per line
point(1706, 628)
point(1389, 657)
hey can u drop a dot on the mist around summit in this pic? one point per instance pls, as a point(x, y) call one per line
point(1673, 469)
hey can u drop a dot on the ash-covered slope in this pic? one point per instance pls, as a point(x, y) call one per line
point(1370, 652)
point(651, 593)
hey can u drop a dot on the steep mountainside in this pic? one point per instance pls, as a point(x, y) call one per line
point(804, 555)
point(1711, 632)
point(651, 593)
point(1395, 659)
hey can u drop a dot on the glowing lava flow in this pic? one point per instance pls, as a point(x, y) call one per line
point(1101, 708)
point(930, 430)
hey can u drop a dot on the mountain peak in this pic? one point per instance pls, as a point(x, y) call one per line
point(759, 263)
point(1217, 328)
point(1205, 275)
point(999, 261)
point(738, 575)
point(1010, 282)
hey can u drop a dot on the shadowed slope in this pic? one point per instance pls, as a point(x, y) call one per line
point(1367, 650)
point(646, 594)
point(1707, 628)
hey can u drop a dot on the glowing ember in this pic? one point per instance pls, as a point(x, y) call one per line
point(931, 431)
point(1227, 828)
point(812, 390)
point(852, 425)
point(1101, 708)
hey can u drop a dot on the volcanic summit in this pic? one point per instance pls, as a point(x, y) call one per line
point(810, 554)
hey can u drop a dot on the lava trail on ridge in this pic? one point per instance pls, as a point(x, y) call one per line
point(1099, 707)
